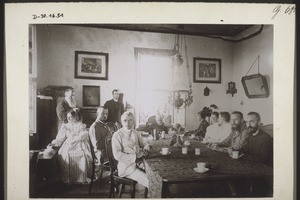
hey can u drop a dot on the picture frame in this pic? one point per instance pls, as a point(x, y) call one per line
point(207, 70)
point(90, 96)
point(91, 65)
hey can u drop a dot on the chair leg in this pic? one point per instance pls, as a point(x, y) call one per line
point(232, 188)
point(92, 179)
point(111, 189)
point(122, 188)
point(100, 178)
point(133, 190)
point(146, 192)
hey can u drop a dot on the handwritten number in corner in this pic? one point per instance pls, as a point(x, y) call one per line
point(287, 11)
point(44, 16)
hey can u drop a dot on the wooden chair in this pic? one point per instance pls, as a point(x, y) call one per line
point(112, 126)
point(119, 125)
point(116, 180)
point(102, 167)
point(151, 120)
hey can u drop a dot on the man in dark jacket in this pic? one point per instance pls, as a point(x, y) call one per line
point(67, 104)
point(259, 147)
point(115, 108)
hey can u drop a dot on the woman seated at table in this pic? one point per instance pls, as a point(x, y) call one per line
point(219, 131)
point(201, 130)
point(128, 148)
point(74, 154)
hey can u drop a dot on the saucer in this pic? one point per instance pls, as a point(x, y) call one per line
point(164, 154)
point(237, 157)
point(201, 171)
point(204, 142)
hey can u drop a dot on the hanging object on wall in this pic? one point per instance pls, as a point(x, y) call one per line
point(206, 91)
point(180, 98)
point(231, 88)
point(256, 85)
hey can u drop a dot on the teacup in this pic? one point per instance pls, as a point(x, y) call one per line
point(163, 134)
point(184, 150)
point(201, 165)
point(235, 154)
point(165, 151)
point(197, 151)
point(192, 135)
point(229, 150)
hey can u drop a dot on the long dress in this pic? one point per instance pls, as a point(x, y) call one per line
point(74, 154)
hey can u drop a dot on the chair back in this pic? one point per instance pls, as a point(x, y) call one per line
point(119, 125)
point(92, 149)
point(112, 126)
point(151, 120)
point(112, 161)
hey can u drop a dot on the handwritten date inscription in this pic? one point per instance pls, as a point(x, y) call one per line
point(287, 11)
point(44, 16)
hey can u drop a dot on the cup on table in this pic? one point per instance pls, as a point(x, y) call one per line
point(181, 136)
point(235, 154)
point(184, 150)
point(163, 134)
point(201, 165)
point(193, 135)
point(197, 151)
point(165, 150)
point(229, 150)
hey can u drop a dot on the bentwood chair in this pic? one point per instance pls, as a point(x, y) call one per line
point(111, 127)
point(118, 124)
point(116, 180)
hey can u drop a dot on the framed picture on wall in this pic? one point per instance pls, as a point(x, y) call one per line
point(207, 70)
point(91, 65)
point(90, 96)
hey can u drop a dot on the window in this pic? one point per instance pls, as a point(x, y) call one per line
point(154, 82)
point(32, 79)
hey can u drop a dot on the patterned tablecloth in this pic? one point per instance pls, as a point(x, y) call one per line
point(177, 167)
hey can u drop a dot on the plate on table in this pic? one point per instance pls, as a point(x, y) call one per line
point(201, 171)
point(237, 157)
point(204, 142)
point(164, 154)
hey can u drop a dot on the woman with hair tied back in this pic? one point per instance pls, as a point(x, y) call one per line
point(74, 154)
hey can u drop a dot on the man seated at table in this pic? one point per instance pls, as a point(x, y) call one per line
point(238, 136)
point(98, 132)
point(259, 146)
point(201, 130)
point(219, 131)
point(128, 148)
point(159, 124)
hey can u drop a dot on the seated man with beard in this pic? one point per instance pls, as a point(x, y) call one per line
point(238, 136)
point(65, 106)
point(159, 124)
point(259, 146)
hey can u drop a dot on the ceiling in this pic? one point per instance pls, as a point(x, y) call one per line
point(184, 29)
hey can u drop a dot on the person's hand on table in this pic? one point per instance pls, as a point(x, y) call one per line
point(145, 152)
point(212, 146)
point(140, 154)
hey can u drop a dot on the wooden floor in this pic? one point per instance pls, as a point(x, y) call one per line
point(56, 189)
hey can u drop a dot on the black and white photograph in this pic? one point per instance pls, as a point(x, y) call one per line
point(154, 109)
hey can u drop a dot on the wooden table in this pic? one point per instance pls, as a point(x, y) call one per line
point(163, 170)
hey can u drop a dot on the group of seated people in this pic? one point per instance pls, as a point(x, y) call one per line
point(75, 142)
point(228, 133)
